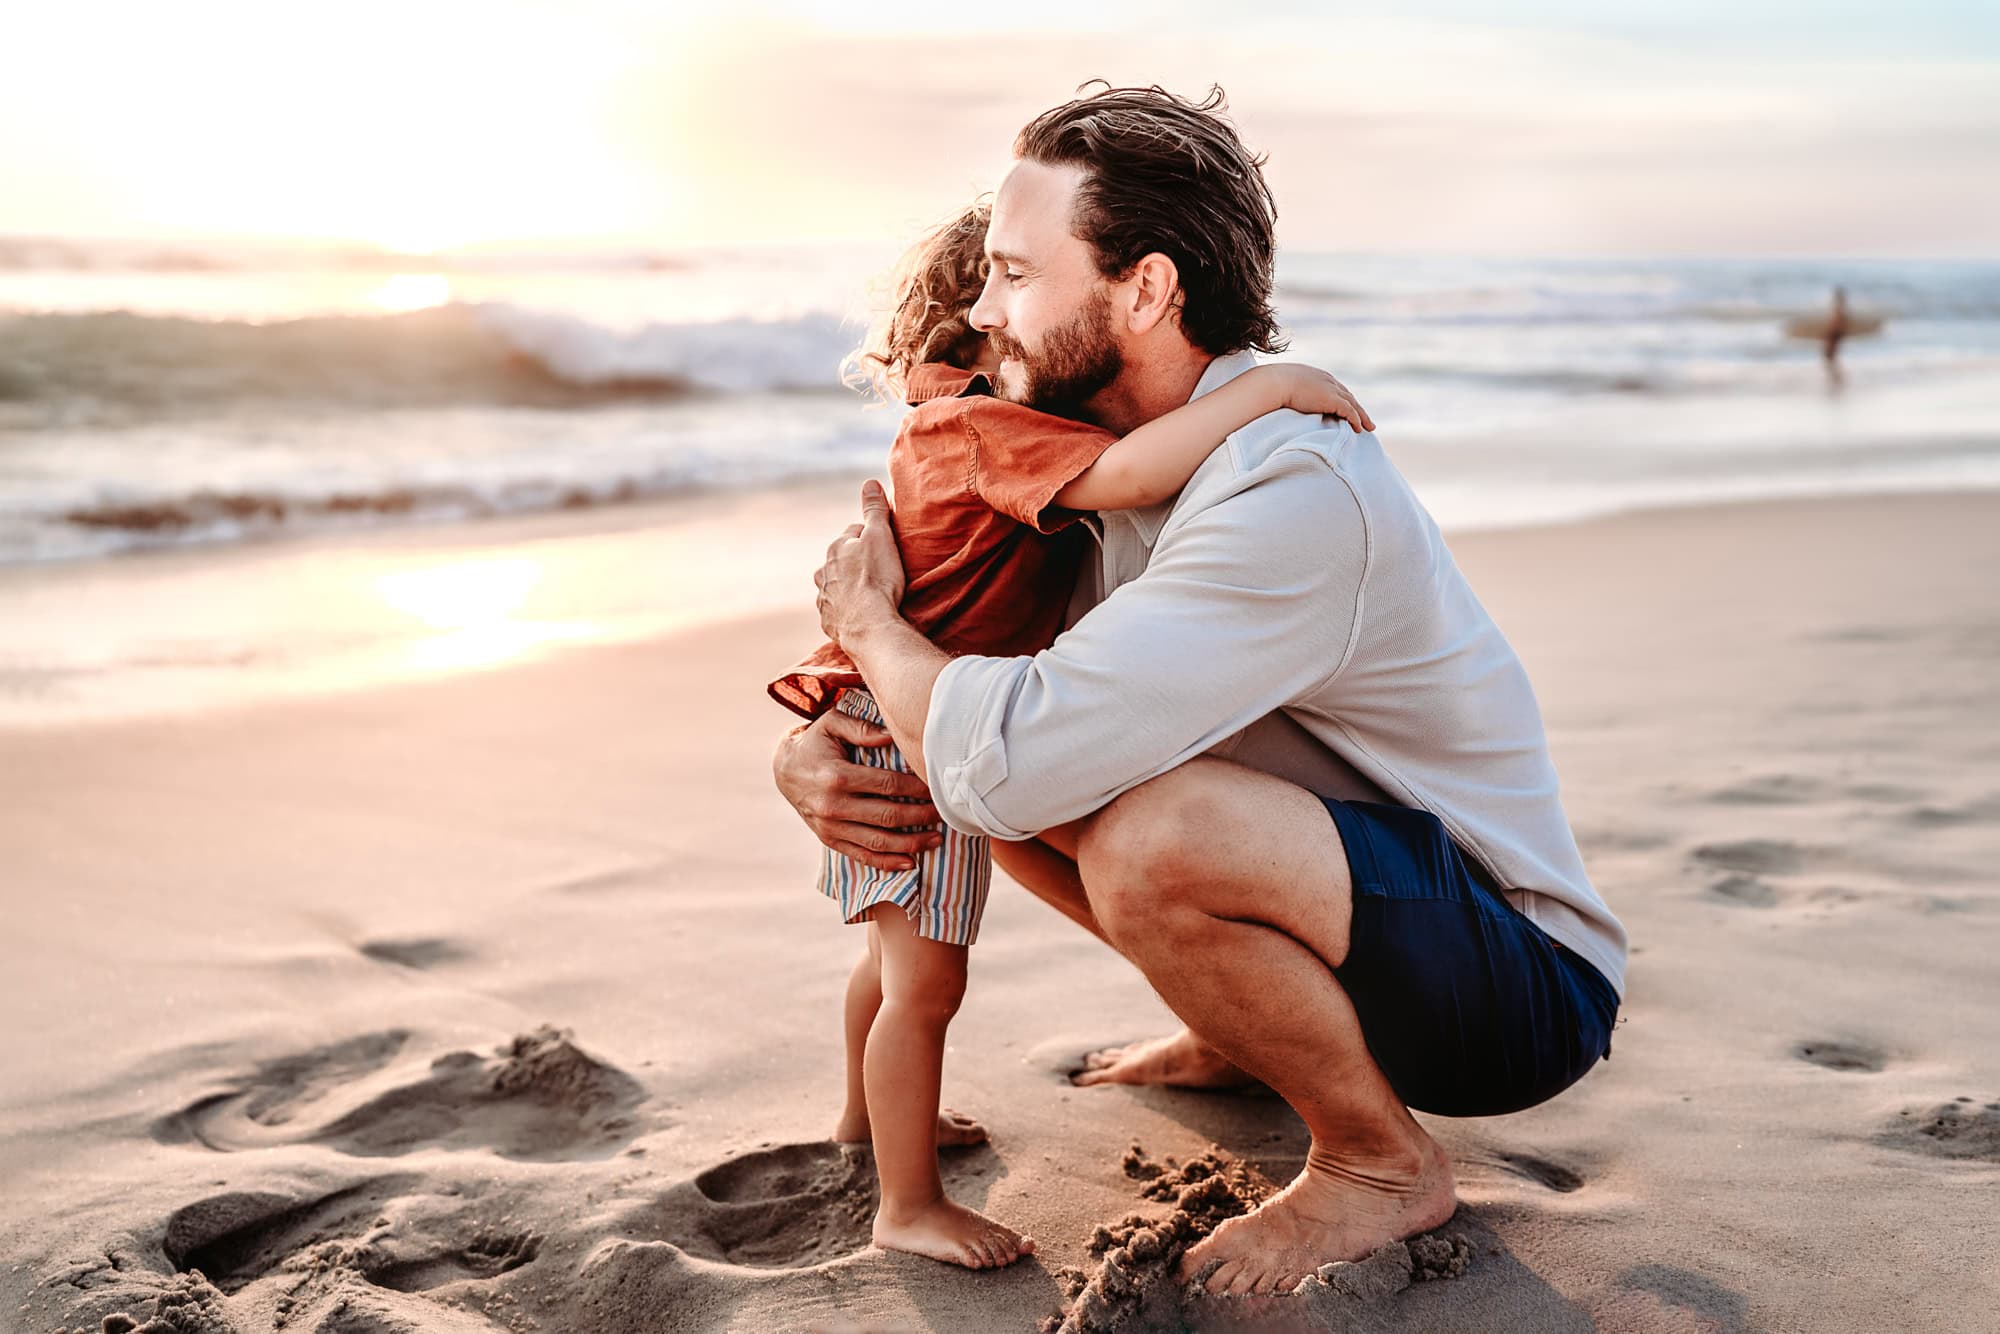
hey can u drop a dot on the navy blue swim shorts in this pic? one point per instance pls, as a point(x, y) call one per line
point(1469, 1008)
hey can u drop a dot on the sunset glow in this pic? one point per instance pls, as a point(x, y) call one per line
point(1439, 127)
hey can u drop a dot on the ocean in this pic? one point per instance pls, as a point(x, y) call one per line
point(170, 395)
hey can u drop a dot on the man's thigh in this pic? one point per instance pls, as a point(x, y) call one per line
point(1221, 839)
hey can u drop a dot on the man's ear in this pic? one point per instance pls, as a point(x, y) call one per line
point(1153, 293)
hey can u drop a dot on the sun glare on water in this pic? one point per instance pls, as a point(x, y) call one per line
point(412, 291)
point(473, 609)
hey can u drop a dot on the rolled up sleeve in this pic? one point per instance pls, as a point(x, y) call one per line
point(1245, 607)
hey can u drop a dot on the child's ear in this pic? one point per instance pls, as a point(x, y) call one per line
point(1153, 292)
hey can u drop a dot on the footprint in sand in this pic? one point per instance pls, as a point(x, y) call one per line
point(242, 1235)
point(538, 1097)
point(1867, 634)
point(1541, 1171)
point(1744, 891)
point(417, 952)
point(1756, 856)
point(1770, 790)
point(341, 1262)
point(789, 1207)
point(1949, 817)
point(1847, 1057)
point(1608, 840)
point(784, 1208)
point(1962, 1128)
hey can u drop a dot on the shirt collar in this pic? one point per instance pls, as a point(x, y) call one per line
point(1150, 519)
point(937, 379)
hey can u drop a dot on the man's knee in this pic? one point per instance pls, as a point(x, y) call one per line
point(1140, 856)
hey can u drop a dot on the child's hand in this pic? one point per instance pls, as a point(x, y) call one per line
point(1310, 389)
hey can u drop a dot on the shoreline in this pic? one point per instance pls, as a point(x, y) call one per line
point(313, 614)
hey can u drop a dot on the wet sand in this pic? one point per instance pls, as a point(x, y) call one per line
point(503, 1000)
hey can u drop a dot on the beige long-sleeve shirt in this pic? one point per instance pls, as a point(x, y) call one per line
point(1294, 609)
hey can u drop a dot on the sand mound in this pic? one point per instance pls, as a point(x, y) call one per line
point(187, 1304)
point(1958, 1129)
point(1134, 1290)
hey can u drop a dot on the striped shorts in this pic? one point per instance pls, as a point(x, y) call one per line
point(944, 894)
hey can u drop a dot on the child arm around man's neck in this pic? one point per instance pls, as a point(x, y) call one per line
point(1156, 460)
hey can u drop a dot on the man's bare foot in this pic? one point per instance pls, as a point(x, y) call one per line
point(1183, 1060)
point(955, 1130)
point(954, 1234)
point(1334, 1211)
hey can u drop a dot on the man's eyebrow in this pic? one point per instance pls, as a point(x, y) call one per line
point(1003, 257)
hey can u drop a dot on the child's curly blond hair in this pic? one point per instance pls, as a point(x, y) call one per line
point(930, 316)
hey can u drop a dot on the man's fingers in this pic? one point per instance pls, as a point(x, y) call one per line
point(888, 783)
point(866, 857)
point(874, 501)
point(888, 814)
point(882, 842)
point(856, 732)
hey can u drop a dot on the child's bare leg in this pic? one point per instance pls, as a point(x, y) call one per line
point(922, 984)
point(864, 998)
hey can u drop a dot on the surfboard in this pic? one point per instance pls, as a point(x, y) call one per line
point(1815, 326)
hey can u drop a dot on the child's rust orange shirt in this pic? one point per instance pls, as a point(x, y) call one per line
point(989, 560)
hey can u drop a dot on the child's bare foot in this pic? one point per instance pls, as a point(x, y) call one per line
point(954, 1130)
point(954, 1234)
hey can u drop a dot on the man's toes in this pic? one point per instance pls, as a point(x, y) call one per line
point(1219, 1281)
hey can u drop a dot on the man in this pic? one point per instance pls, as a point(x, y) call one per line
point(1836, 329)
point(1282, 760)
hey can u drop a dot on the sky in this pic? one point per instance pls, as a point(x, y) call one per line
point(1539, 127)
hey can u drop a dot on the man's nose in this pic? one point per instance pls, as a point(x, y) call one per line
point(985, 315)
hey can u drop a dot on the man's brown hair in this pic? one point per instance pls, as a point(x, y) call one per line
point(1169, 175)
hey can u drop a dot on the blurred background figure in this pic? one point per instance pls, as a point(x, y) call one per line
point(1836, 329)
point(1830, 330)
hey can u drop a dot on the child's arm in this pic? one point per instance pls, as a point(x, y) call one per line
point(1155, 461)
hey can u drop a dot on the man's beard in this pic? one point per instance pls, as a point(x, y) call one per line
point(1076, 363)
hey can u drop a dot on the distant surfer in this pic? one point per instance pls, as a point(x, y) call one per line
point(1830, 330)
point(1836, 329)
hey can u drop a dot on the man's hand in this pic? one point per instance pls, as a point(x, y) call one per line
point(862, 580)
point(848, 806)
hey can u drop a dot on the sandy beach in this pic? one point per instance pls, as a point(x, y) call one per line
point(502, 1000)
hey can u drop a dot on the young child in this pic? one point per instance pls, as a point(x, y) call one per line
point(986, 493)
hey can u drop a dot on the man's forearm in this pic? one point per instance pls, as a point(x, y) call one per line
point(900, 666)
